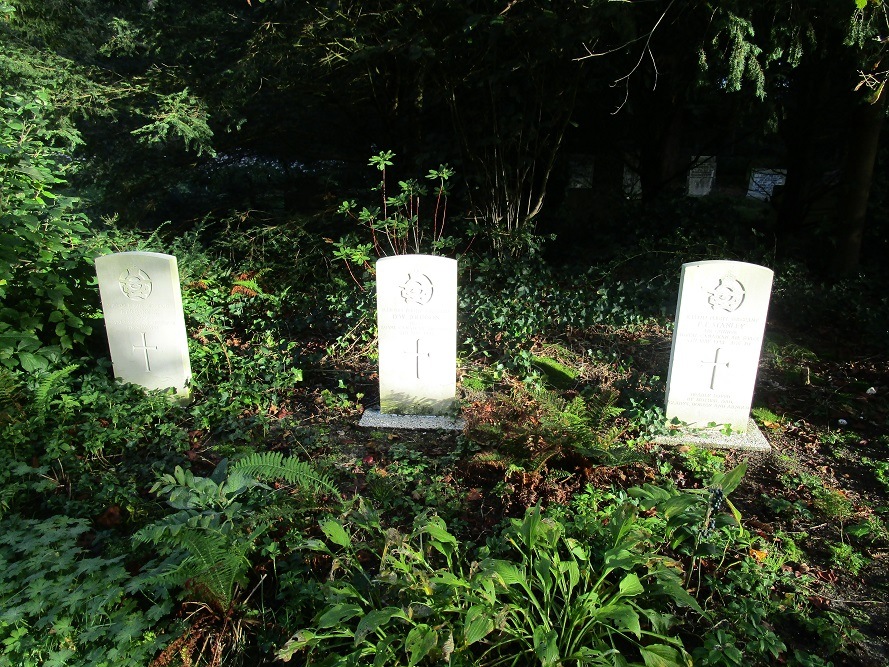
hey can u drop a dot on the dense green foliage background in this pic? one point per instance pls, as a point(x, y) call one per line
point(277, 148)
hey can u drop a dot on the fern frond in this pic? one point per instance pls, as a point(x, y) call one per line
point(214, 564)
point(269, 466)
point(210, 560)
point(602, 408)
point(49, 387)
point(9, 387)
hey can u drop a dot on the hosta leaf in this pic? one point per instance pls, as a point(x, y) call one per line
point(660, 623)
point(619, 558)
point(729, 481)
point(420, 640)
point(661, 655)
point(335, 532)
point(507, 571)
point(476, 624)
point(577, 549)
point(544, 571)
point(624, 617)
point(299, 641)
point(337, 614)
point(374, 620)
point(678, 504)
point(439, 533)
point(573, 574)
point(316, 545)
point(385, 655)
point(673, 588)
point(546, 646)
point(630, 586)
point(736, 515)
point(449, 579)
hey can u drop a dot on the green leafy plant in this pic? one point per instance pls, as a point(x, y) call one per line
point(49, 386)
point(45, 241)
point(588, 421)
point(180, 115)
point(63, 605)
point(396, 227)
point(207, 542)
point(563, 604)
point(701, 462)
point(410, 610)
point(546, 597)
point(834, 504)
point(9, 392)
point(694, 516)
point(206, 535)
point(848, 558)
point(879, 468)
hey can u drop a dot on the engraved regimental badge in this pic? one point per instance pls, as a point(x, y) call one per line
point(417, 289)
point(728, 295)
point(135, 284)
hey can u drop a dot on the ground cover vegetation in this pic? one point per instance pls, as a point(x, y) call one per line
point(258, 524)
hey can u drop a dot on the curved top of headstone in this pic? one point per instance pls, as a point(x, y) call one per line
point(142, 277)
point(724, 286)
point(424, 258)
point(729, 263)
point(135, 254)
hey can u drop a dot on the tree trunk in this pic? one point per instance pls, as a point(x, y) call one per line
point(660, 163)
point(864, 140)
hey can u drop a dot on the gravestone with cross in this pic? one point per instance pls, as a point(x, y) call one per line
point(720, 319)
point(142, 304)
point(417, 322)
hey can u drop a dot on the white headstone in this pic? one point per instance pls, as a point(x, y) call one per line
point(700, 177)
point(764, 181)
point(142, 304)
point(417, 321)
point(720, 319)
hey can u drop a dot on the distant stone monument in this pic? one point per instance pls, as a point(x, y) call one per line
point(581, 169)
point(701, 176)
point(764, 181)
point(417, 324)
point(142, 304)
point(720, 320)
point(632, 183)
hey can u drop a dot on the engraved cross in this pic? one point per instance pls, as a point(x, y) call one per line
point(420, 355)
point(145, 347)
point(716, 364)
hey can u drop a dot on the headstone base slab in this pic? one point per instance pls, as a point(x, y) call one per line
point(752, 440)
point(373, 418)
